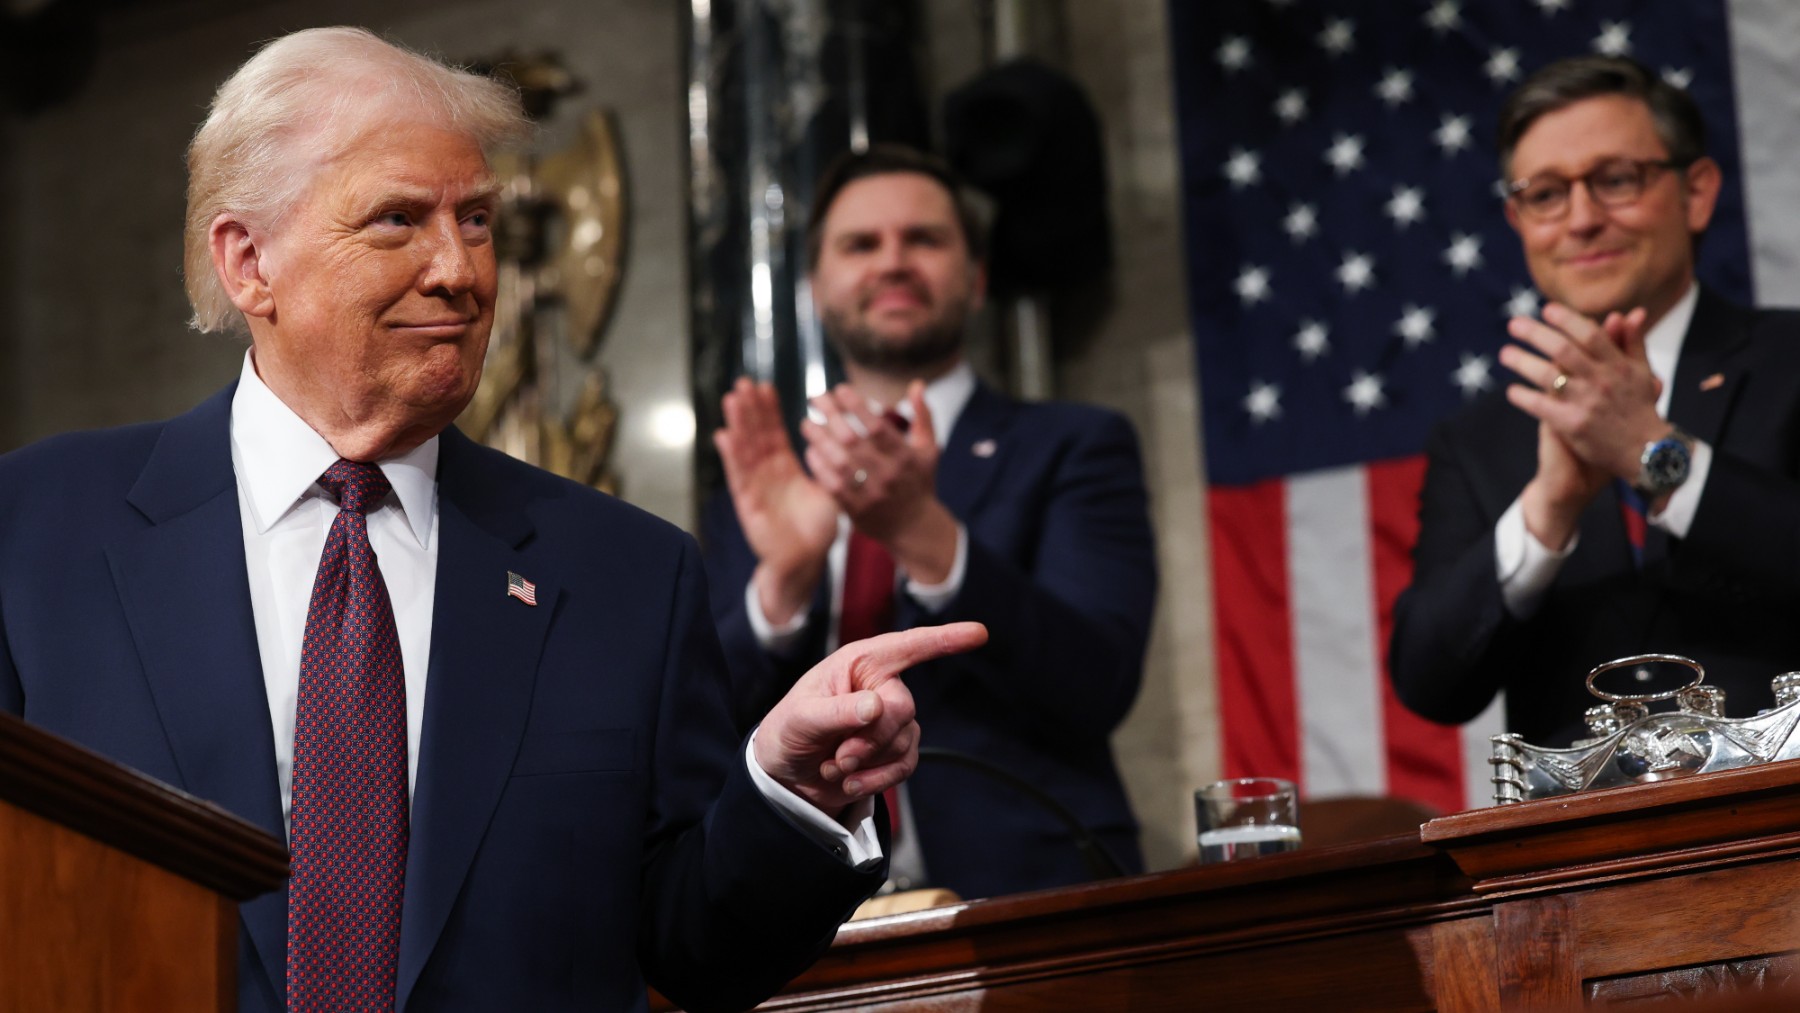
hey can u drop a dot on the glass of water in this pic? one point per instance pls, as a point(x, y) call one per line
point(1245, 817)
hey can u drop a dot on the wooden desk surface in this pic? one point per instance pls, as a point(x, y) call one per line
point(1681, 890)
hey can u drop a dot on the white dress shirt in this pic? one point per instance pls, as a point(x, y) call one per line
point(1525, 565)
point(286, 515)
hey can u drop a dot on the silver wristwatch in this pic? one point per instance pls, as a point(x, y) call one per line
point(1664, 464)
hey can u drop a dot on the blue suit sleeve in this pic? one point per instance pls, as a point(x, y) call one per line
point(1449, 652)
point(757, 678)
point(12, 695)
point(736, 901)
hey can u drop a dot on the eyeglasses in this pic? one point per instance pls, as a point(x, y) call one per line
point(1613, 184)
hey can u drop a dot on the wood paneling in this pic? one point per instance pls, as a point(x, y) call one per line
point(1685, 891)
point(117, 893)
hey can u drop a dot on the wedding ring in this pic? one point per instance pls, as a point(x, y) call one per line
point(1557, 385)
point(859, 478)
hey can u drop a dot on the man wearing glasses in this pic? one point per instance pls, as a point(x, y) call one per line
point(1636, 490)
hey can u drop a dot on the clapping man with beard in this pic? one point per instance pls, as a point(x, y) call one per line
point(922, 496)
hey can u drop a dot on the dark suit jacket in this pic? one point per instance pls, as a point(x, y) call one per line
point(582, 819)
point(1725, 595)
point(1062, 569)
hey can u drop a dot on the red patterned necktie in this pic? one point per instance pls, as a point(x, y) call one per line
point(868, 606)
point(348, 828)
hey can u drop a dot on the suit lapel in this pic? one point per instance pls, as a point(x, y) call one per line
point(484, 654)
point(972, 455)
point(184, 574)
point(1710, 368)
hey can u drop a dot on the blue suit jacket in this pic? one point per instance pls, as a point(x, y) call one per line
point(1725, 595)
point(1062, 569)
point(582, 819)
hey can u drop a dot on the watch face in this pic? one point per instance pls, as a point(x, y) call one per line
point(1665, 465)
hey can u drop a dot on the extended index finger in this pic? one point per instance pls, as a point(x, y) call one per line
point(889, 654)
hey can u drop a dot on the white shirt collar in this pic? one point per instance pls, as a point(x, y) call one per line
point(946, 397)
point(1662, 345)
point(279, 459)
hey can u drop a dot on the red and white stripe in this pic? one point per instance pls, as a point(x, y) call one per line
point(1305, 573)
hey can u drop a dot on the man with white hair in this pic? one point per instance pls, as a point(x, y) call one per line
point(484, 705)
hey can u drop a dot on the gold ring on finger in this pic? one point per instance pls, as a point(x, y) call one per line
point(1557, 385)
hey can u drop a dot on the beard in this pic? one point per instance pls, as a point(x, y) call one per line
point(928, 344)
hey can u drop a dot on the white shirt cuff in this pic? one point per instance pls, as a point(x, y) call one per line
point(851, 837)
point(1526, 566)
point(774, 639)
point(1677, 515)
point(935, 598)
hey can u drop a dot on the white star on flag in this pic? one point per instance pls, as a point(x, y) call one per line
point(1243, 168)
point(1552, 6)
point(1614, 38)
point(1301, 223)
point(1290, 106)
point(1365, 393)
point(1263, 402)
point(1452, 134)
point(1345, 153)
point(1415, 325)
point(1234, 54)
point(1356, 272)
point(1310, 340)
point(1395, 87)
point(1443, 16)
point(1339, 36)
point(1472, 374)
point(1406, 206)
point(1502, 66)
point(1679, 77)
point(1253, 285)
point(1523, 302)
point(1464, 253)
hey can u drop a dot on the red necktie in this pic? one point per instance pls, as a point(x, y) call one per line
point(1632, 511)
point(348, 830)
point(868, 606)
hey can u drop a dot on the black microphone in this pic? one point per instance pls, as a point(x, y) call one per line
point(1100, 862)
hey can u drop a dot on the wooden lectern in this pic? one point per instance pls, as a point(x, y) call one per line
point(1683, 895)
point(117, 892)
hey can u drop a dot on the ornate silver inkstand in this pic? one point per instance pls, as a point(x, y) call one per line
point(1627, 744)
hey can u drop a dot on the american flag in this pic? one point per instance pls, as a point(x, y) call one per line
point(1349, 274)
point(520, 588)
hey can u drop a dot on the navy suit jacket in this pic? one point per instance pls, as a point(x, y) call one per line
point(1062, 569)
point(1725, 595)
point(582, 818)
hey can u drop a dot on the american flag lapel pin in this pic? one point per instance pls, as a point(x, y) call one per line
point(1713, 382)
point(984, 448)
point(520, 588)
